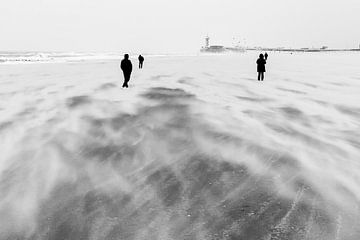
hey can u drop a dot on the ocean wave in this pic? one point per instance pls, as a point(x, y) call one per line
point(33, 57)
point(46, 57)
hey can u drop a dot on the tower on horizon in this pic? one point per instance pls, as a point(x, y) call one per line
point(207, 41)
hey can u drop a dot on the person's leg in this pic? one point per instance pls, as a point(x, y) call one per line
point(262, 76)
point(127, 79)
point(124, 84)
point(258, 76)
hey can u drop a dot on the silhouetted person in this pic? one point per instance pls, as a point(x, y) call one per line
point(126, 67)
point(261, 67)
point(141, 61)
point(266, 56)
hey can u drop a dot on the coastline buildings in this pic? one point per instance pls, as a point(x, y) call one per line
point(219, 48)
point(207, 48)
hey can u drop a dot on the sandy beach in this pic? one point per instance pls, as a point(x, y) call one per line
point(195, 148)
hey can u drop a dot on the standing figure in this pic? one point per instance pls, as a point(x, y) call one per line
point(126, 67)
point(141, 61)
point(261, 67)
point(266, 56)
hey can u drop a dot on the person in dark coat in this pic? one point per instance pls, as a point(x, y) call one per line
point(126, 67)
point(266, 56)
point(261, 67)
point(141, 61)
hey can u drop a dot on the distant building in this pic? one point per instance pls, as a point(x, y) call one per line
point(219, 48)
point(207, 41)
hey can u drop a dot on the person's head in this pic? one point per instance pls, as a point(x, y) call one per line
point(261, 56)
point(126, 56)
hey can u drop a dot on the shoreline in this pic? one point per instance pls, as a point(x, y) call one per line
point(302, 50)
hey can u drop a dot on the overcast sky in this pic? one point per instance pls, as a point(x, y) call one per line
point(159, 26)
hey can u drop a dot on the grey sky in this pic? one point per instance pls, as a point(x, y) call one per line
point(175, 26)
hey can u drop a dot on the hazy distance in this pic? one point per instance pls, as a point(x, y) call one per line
point(163, 26)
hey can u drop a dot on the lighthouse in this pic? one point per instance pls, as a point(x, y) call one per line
point(207, 42)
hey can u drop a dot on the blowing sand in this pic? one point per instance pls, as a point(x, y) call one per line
point(195, 148)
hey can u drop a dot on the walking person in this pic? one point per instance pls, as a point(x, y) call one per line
point(266, 56)
point(141, 61)
point(261, 67)
point(126, 67)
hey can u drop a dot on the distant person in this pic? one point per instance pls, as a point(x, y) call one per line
point(266, 56)
point(126, 67)
point(141, 61)
point(261, 67)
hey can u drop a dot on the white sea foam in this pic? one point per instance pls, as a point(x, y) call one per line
point(59, 57)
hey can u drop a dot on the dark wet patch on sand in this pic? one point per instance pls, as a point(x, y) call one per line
point(107, 86)
point(354, 142)
point(355, 112)
point(28, 111)
point(292, 112)
point(14, 75)
point(6, 82)
point(69, 87)
point(322, 119)
point(168, 186)
point(160, 93)
point(8, 94)
point(291, 90)
point(208, 74)
point(250, 79)
point(322, 103)
point(5, 125)
point(309, 85)
point(38, 88)
point(252, 99)
point(185, 79)
point(158, 77)
point(338, 84)
point(107, 152)
point(77, 101)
